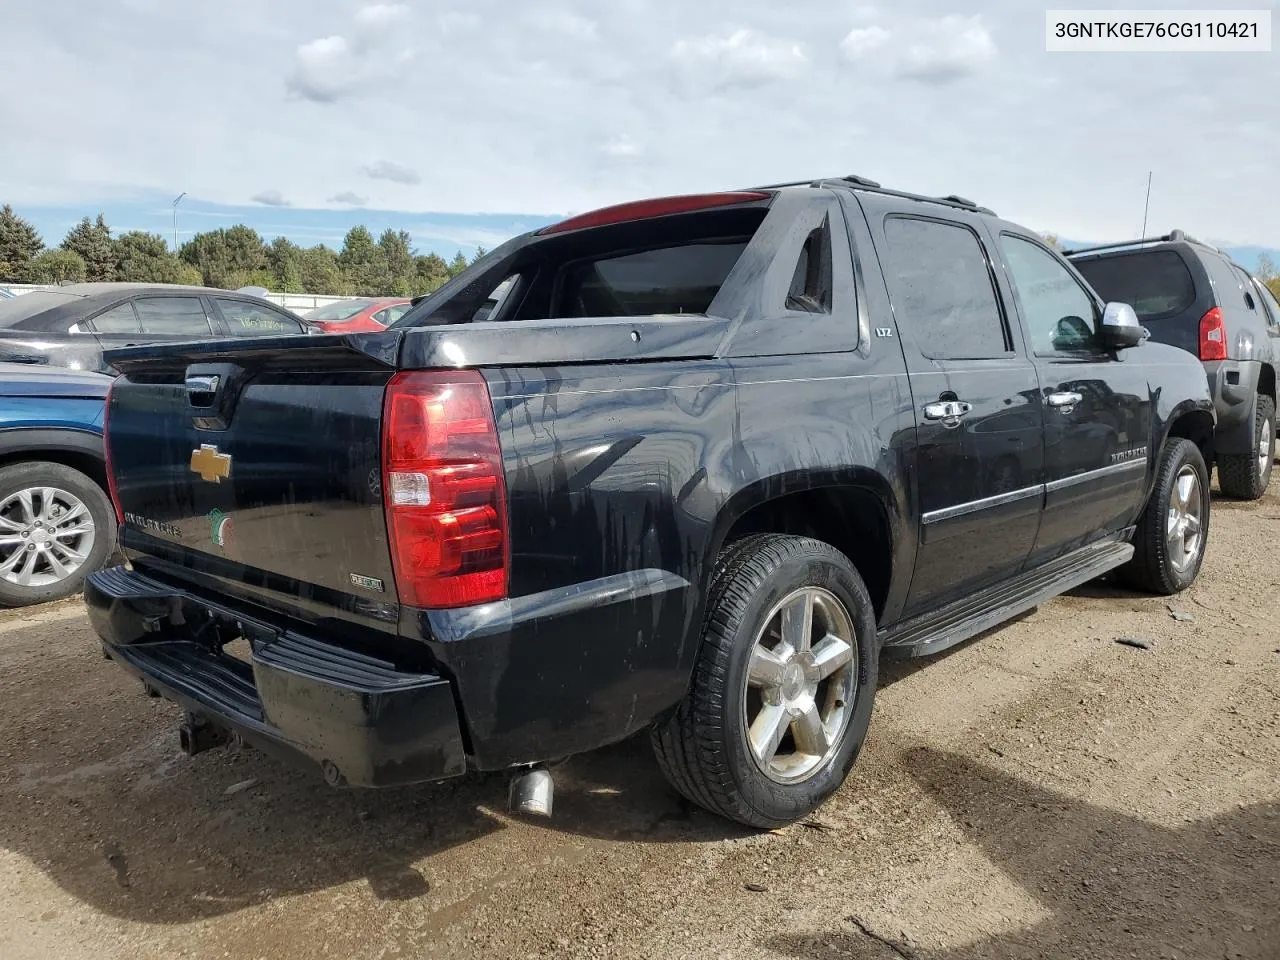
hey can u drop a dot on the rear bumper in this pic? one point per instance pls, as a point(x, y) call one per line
point(363, 720)
point(1234, 384)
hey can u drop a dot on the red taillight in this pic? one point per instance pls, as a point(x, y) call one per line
point(444, 490)
point(1213, 336)
point(661, 207)
point(112, 490)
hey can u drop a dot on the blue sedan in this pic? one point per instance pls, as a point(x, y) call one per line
point(57, 524)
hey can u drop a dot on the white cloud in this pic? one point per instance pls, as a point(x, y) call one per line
point(349, 198)
point(567, 23)
point(270, 198)
point(950, 47)
point(743, 58)
point(331, 68)
point(622, 146)
point(386, 170)
point(861, 41)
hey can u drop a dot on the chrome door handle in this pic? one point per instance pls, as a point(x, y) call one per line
point(1066, 402)
point(948, 411)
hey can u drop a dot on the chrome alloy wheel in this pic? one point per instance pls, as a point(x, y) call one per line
point(46, 534)
point(1185, 526)
point(1264, 447)
point(799, 692)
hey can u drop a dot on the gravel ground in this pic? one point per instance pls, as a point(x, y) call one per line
point(1040, 792)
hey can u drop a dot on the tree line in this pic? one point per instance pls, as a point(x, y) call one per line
point(229, 257)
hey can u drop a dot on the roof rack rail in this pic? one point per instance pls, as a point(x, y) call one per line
point(865, 183)
point(1172, 236)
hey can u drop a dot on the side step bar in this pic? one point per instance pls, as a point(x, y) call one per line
point(957, 622)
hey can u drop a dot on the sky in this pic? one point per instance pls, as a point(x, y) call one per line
point(467, 122)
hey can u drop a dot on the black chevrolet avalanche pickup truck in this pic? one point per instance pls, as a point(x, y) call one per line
point(703, 462)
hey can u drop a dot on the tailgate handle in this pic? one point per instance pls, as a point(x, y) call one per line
point(202, 390)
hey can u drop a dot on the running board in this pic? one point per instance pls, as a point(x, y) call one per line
point(932, 632)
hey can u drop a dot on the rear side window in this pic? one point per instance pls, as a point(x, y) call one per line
point(173, 316)
point(119, 319)
point(1156, 283)
point(252, 320)
point(389, 315)
point(942, 289)
point(678, 279)
point(810, 290)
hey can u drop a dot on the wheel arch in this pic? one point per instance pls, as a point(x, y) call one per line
point(855, 510)
point(78, 449)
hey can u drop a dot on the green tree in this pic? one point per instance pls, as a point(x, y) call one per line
point(480, 252)
point(458, 264)
point(1052, 240)
point(92, 241)
point(285, 258)
point(19, 245)
point(145, 258)
point(320, 272)
point(364, 264)
point(430, 273)
point(396, 250)
point(223, 256)
point(57, 266)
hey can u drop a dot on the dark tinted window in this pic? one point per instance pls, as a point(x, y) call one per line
point(120, 319)
point(682, 279)
point(255, 320)
point(24, 312)
point(942, 290)
point(1058, 312)
point(1156, 283)
point(173, 316)
point(810, 289)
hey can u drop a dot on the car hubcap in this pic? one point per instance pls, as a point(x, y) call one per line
point(1264, 447)
point(800, 685)
point(46, 534)
point(1185, 526)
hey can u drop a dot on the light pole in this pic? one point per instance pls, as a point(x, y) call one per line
point(176, 200)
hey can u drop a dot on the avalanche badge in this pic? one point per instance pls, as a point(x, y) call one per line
point(210, 464)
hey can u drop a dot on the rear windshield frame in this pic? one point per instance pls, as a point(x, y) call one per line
point(1118, 261)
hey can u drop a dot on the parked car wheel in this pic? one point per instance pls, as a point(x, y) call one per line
point(1174, 528)
point(784, 684)
point(56, 527)
point(1245, 476)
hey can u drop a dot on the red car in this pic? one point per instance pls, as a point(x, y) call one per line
point(363, 315)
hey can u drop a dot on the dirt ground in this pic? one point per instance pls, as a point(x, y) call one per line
point(1040, 792)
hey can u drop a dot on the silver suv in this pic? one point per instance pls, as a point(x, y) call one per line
point(1192, 295)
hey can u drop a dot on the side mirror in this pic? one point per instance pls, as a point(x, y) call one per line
point(1120, 328)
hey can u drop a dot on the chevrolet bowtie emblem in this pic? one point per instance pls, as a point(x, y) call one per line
point(210, 464)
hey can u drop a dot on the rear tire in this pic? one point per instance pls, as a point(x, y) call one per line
point(1245, 476)
point(42, 505)
point(1168, 547)
point(806, 710)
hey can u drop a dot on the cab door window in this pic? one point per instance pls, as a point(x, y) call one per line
point(1059, 312)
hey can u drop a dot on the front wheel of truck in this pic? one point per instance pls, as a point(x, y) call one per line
point(784, 684)
point(1173, 530)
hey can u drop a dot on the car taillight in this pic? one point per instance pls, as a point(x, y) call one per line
point(444, 490)
point(1213, 336)
point(112, 490)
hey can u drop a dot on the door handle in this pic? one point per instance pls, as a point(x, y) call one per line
point(948, 412)
point(1066, 402)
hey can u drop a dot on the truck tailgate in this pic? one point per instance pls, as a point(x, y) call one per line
point(256, 471)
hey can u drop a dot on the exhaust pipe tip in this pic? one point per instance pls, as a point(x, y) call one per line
point(532, 793)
